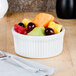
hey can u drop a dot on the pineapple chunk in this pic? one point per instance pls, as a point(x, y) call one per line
point(56, 27)
point(52, 23)
point(26, 21)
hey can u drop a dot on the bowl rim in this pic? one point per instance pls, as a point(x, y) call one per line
point(58, 34)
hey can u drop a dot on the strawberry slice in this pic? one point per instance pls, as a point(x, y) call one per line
point(19, 29)
point(25, 32)
point(16, 27)
point(55, 21)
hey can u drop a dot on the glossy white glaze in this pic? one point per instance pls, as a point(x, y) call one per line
point(38, 46)
point(3, 7)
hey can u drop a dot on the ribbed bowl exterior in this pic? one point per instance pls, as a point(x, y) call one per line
point(38, 46)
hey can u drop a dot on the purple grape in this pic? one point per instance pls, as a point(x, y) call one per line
point(49, 31)
point(31, 26)
point(21, 24)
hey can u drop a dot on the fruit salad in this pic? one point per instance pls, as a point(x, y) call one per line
point(42, 25)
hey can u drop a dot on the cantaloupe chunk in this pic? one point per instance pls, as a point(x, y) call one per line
point(43, 19)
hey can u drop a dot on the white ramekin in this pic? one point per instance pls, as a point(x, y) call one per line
point(38, 46)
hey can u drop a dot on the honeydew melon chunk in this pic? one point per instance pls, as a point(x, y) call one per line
point(37, 31)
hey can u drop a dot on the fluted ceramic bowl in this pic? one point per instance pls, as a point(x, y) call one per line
point(38, 46)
